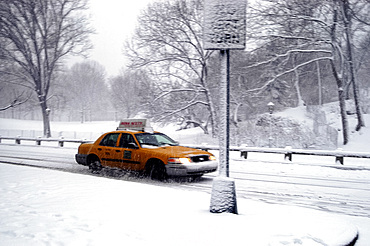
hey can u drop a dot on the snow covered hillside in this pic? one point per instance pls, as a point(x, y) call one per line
point(294, 127)
point(359, 141)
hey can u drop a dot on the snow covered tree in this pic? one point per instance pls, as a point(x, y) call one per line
point(348, 17)
point(86, 91)
point(309, 32)
point(35, 36)
point(129, 92)
point(15, 99)
point(168, 44)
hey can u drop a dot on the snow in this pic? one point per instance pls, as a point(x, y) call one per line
point(223, 198)
point(358, 140)
point(47, 207)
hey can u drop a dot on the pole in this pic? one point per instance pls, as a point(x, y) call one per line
point(225, 20)
point(270, 139)
point(223, 197)
point(224, 127)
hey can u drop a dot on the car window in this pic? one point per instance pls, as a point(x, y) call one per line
point(126, 139)
point(109, 140)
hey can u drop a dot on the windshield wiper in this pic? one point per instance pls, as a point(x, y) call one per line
point(152, 144)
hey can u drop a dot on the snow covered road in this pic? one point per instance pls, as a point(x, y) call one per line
point(34, 211)
point(316, 183)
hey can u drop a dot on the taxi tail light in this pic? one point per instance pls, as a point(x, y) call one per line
point(173, 160)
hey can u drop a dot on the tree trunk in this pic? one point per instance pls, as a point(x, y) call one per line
point(342, 103)
point(212, 113)
point(343, 114)
point(319, 82)
point(339, 79)
point(356, 94)
point(296, 84)
point(211, 107)
point(45, 116)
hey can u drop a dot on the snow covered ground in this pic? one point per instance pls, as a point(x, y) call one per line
point(48, 207)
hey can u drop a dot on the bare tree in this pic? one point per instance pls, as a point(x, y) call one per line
point(338, 68)
point(348, 22)
point(315, 31)
point(129, 92)
point(18, 100)
point(87, 91)
point(35, 36)
point(168, 43)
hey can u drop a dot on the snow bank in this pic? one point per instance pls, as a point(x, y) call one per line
point(46, 207)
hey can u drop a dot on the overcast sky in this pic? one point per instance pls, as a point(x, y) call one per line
point(114, 21)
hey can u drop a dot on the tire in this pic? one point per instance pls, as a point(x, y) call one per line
point(156, 170)
point(95, 166)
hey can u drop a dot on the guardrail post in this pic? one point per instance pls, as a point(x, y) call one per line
point(339, 157)
point(204, 147)
point(288, 153)
point(61, 142)
point(244, 153)
point(18, 140)
point(38, 140)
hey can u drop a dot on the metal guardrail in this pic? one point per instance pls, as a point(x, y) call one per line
point(288, 152)
point(38, 140)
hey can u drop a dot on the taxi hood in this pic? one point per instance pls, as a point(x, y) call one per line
point(177, 151)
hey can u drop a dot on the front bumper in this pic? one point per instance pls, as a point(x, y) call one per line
point(191, 169)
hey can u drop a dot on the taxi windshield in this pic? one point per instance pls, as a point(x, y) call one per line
point(155, 139)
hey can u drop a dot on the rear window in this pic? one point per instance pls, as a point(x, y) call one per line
point(109, 140)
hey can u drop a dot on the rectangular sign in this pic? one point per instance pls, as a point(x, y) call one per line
point(224, 24)
point(132, 124)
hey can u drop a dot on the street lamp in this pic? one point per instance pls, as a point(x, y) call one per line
point(47, 110)
point(271, 107)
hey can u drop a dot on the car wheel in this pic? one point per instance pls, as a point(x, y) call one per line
point(95, 166)
point(157, 171)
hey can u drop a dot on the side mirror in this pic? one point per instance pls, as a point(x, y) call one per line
point(132, 146)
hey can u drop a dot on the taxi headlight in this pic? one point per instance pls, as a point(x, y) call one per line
point(173, 160)
point(212, 158)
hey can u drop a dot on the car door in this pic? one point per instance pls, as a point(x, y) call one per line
point(127, 153)
point(107, 149)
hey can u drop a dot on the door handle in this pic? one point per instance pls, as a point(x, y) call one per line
point(118, 151)
point(99, 148)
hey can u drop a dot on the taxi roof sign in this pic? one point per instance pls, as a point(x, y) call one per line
point(134, 124)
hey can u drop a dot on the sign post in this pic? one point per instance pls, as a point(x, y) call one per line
point(224, 30)
point(224, 123)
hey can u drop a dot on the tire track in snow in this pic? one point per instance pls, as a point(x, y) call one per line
point(267, 187)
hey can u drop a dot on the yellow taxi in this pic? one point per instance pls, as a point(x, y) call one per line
point(132, 147)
